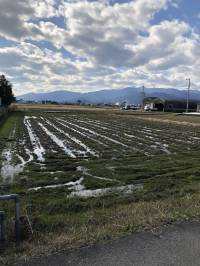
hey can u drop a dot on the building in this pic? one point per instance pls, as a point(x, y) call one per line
point(178, 106)
point(198, 108)
point(153, 104)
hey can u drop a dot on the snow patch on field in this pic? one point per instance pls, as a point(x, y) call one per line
point(28, 152)
point(58, 141)
point(98, 134)
point(85, 171)
point(87, 193)
point(9, 169)
point(63, 123)
point(130, 136)
point(94, 123)
point(39, 151)
point(163, 147)
point(195, 138)
point(71, 185)
point(74, 139)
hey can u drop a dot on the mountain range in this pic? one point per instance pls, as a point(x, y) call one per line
point(130, 95)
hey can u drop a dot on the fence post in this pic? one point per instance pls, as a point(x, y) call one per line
point(17, 219)
point(2, 218)
point(15, 197)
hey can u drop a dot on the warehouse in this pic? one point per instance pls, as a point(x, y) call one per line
point(178, 106)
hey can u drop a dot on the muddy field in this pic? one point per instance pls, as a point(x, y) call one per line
point(70, 166)
point(84, 153)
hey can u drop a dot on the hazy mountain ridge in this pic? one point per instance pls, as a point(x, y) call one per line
point(130, 95)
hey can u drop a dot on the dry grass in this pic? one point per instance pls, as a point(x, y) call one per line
point(107, 224)
point(60, 107)
point(184, 121)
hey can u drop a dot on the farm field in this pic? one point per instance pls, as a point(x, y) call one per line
point(85, 175)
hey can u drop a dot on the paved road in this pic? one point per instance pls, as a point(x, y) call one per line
point(174, 245)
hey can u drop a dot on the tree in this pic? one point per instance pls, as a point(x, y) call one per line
point(6, 92)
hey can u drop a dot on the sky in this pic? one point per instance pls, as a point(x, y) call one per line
point(88, 45)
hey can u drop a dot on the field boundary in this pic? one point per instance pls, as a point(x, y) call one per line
point(168, 121)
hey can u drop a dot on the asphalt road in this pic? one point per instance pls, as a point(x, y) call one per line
point(173, 245)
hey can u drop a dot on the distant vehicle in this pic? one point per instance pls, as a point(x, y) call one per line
point(149, 108)
point(130, 107)
point(136, 107)
point(126, 107)
point(146, 108)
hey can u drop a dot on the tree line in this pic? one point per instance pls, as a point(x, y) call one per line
point(6, 91)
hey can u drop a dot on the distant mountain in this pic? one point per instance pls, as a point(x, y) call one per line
point(130, 95)
point(58, 96)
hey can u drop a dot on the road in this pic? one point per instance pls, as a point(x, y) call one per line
point(172, 245)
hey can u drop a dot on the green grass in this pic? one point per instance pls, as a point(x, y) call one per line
point(8, 125)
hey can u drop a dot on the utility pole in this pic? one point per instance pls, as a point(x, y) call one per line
point(188, 95)
point(143, 96)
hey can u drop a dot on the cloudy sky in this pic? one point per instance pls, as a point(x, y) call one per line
point(81, 45)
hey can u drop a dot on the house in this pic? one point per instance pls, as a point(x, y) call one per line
point(178, 106)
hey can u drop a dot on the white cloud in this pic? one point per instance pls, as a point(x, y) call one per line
point(104, 44)
point(44, 8)
point(100, 32)
point(16, 15)
point(162, 41)
point(12, 17)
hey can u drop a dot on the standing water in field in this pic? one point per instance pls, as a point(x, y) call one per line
point(8, 169)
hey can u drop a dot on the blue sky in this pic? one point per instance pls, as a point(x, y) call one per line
point(88, 45)
point(187, 10)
